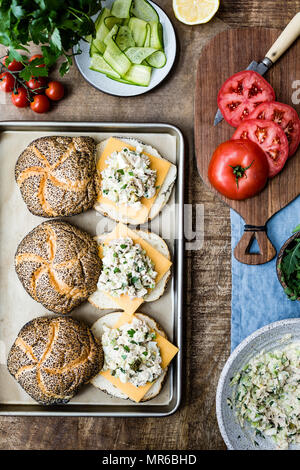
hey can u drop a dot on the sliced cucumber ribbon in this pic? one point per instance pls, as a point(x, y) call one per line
point(128, 42)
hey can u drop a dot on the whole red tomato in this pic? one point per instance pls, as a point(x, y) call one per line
point(238, 169)
point(34, 83)
point(37, 56)
point(13, 66)
point(40, 104)
point(20, 98)
point(55, 91)
point(7, 82)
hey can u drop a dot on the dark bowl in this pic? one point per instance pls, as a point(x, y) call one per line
point(280, 256)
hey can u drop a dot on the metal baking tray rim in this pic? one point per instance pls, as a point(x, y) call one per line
point(125, 127)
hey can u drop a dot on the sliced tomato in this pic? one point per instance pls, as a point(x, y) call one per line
point(285, 116)
point(270, 137)
point(241, 94)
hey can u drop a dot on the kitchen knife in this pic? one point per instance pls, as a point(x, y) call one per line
point(283, 42)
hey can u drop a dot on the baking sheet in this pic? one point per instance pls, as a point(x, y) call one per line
point(17, 307)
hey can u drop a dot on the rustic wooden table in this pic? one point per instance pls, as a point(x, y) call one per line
point(208, 283)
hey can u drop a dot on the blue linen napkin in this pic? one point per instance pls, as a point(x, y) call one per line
point(257, 296)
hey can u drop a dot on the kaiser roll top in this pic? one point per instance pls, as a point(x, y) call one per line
point(52, 357)
point(57, 175)
point(58, 265)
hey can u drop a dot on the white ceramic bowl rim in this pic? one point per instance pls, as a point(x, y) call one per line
point(229, 362)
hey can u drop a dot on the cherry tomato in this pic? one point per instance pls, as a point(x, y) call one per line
point(238, 169)
point(40, 104)
point(270, 137)
point(34, 83)
point(13, 66)
point(240, 95)
point(19, 98)
point(55, 91)
point(7, 82)
point(37, 56)
point(285, 116)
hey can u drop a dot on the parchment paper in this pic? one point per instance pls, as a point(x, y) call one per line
point(17, 307)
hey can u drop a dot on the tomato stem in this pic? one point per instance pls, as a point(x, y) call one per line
point(240, 171)
point(20, 82)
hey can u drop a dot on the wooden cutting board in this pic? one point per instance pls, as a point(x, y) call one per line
point(228, 53)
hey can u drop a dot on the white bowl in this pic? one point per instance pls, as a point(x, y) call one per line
point(112, 87)
point(267, 338)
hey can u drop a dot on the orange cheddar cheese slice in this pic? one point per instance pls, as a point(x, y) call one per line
point(161, 166)
point(167, 352)
point(161, 264)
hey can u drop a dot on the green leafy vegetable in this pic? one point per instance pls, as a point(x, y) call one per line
point(290, 269)
point(296, 229)
point(55, 25)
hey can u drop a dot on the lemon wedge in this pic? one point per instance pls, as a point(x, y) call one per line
point(195, 11)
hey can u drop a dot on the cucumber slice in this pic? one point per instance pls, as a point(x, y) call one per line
point(93, 50)
point(124, 38)
point(98, 19)
point(98, 64)
point(111, 34)
point(157, 60)
point(110, 21)
point(98, 45)
point(139, 75)
point(156, 38)
point(143, 10)
point(121, 8)
point(102, 30)
point(121, 80)
point(148, 35)
point(139, 31)
point(116, 58)
point(137, 55)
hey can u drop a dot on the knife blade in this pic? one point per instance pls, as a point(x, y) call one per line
point(259, 67)
point(290, 33)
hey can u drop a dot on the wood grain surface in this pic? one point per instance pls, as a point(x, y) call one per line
point(208, 278)
point(236, 49)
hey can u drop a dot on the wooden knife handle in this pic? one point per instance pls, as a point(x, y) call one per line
point(242, 249)
point(285, 40)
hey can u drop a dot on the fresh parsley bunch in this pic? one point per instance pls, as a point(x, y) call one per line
point(55, 25)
